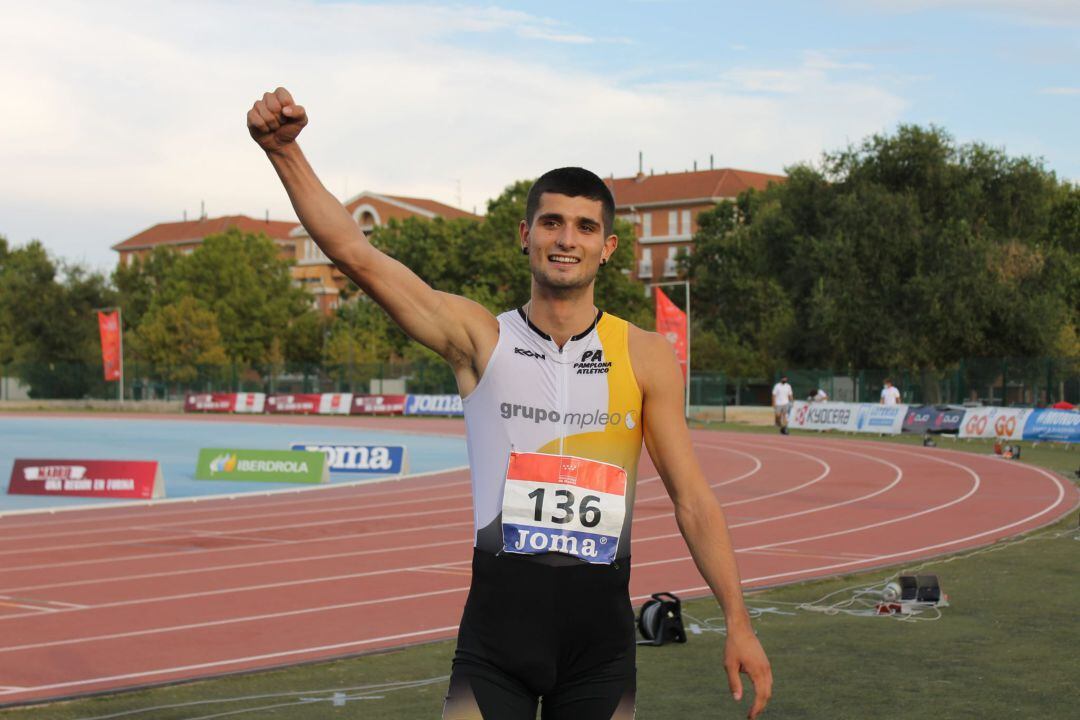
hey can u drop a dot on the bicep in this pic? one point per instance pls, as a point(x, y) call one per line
point(444, 322)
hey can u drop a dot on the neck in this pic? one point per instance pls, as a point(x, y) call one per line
point(561, 314)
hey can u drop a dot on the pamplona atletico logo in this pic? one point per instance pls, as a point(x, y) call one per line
point(592, 363)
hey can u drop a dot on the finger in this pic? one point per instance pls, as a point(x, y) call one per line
point(254, 120)
point(762, 692)
point(284, 97)
point(272, 103)
point(734, 681)
point(296, 113)
point(271, 119)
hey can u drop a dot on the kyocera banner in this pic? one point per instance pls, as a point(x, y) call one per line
point(310, 404)
point(140, 479)
point(848, 417)
point(994, 422)
point(1055, 425)
point(261, 465)
point(225, 402)
point(930, 419)
point(378, 404)
point(381, 459)
point(433, 405)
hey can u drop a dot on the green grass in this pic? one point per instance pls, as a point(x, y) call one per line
point(1004, 648)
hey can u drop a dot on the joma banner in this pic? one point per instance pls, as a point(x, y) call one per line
point(369, 459)
point(434, 405)
point(139, 479)
point(261, 465)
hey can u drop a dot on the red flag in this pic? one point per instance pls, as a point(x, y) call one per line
point(109, 326)
point(671, 323)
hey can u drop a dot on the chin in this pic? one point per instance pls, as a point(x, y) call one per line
point(555, 281)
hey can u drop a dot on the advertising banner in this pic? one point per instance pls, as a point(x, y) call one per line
point(380, 459)
point(930, 419)
point(298, 404)
point(249, 402)
point(994, 422)
point(378, 405)
point(671, 323)
point(1053, 425)
point(262, 465)
point(848, 417)
point(139, 479)
point(335, 403)
point(209, 402)
point(434, 405)
point(109, 329)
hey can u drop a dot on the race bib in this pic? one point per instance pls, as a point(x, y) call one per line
point(564, 504)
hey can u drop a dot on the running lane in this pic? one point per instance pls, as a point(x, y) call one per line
point(109, 598)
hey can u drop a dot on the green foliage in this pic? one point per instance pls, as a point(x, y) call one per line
point(47, 321)
point(179, 339)
point(241, 279)
point(907, 250)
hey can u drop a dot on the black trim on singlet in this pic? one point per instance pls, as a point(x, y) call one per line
point(541, 333)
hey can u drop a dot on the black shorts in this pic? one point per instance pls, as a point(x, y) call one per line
point(562, 637)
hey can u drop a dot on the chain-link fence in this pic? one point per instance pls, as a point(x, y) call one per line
point(1010, 381)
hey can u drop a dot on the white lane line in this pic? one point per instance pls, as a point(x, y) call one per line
point(757, 467)
point(219, 498)
point(192, 523)
point(240, 660)
point(5, 689)
point(266, 528)
point(233, 620)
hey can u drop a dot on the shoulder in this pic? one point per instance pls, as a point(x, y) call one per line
point(651, 356)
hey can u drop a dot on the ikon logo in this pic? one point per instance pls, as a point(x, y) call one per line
point(529, 353)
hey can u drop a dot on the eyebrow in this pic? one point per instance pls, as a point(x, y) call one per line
point(560, 218)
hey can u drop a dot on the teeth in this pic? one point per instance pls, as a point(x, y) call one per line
point(563, 258)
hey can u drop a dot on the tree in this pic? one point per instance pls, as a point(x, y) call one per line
point(240, 278)
point(180, 339)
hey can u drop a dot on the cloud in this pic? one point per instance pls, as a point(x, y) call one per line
point(120, 116)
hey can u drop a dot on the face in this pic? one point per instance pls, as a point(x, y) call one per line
point(566, 241)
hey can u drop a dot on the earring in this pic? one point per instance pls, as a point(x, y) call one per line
point(525, 250)
point(603, 261)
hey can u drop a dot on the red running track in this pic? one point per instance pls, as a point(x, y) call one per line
point(104, 599)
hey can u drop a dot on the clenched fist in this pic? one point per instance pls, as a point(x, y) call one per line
point(276, 120)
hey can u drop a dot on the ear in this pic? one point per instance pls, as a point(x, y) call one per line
point(611, 243)
point(523, 234)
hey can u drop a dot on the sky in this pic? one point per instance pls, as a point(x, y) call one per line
point(120, 115)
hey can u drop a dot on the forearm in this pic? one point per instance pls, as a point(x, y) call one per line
point(324, 218)
point(703, 526)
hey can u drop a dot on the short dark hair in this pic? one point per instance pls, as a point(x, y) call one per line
point(572, 182)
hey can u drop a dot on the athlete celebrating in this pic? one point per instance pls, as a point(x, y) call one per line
point(558, 397)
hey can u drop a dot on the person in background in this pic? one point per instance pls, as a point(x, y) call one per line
point(889, 394)
point(818, 395)
point(782, 395)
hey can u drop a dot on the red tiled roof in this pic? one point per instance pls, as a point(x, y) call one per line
point(441, 209)
point(176, 233)
point(671, 187)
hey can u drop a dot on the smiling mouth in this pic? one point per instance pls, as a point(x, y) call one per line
point(564, 259)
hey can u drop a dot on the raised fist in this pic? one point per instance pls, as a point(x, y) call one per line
point(275, 120)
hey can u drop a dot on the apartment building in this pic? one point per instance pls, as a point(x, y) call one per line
point(664, 210)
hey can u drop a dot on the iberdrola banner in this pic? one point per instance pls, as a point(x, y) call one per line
point(671, 323)
point(109, 327)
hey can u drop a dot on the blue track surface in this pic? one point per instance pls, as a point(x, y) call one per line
point(176, 443)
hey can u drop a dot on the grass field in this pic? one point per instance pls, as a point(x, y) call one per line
point(1004, 648)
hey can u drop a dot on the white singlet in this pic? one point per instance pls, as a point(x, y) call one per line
point(582, 401)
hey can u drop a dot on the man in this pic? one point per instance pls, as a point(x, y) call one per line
point(782, 395)
point(889, 394)
point(558, 397)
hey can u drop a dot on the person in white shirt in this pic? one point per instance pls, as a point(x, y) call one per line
point(782, 395)
point(819, 395)
point(889, 394)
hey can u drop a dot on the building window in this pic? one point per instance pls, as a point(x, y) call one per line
point(646, 224)
point(686, 222)
point(671, 266)
point(645, 266)
point(672, 222)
